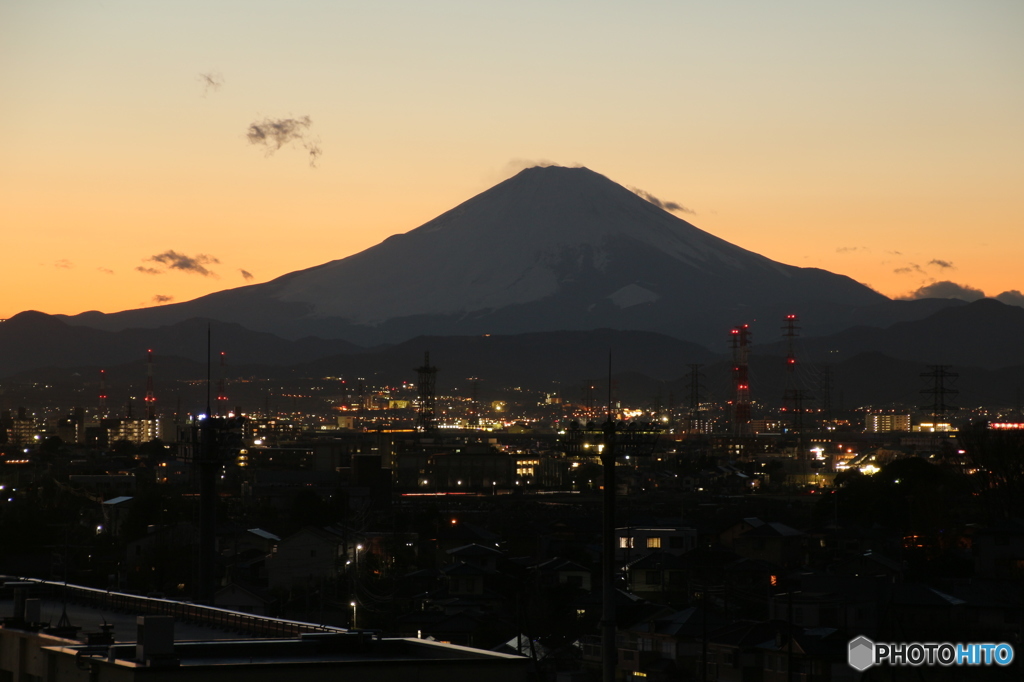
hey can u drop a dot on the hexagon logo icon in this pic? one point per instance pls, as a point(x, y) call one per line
point(861, 654)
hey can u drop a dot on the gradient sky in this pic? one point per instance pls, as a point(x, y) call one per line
point(880, 140)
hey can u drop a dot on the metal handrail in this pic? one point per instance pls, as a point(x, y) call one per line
point(185, 611)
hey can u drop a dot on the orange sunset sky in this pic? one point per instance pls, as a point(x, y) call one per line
point(880, 140)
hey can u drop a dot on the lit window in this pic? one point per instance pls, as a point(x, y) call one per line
point(625, 543)
point(653, 543)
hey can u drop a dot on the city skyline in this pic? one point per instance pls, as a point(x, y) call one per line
point(158, 154)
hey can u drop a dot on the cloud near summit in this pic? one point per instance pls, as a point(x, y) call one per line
point(672, 206)
point(945, 289)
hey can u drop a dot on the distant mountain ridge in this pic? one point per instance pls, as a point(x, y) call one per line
point(32, 340)
point(985, 333)
point(644, 366)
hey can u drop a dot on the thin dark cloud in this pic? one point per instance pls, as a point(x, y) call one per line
point(179, 261)
point(945, 289)
point(895, 253)
point(944, 264)
point(106, 271)
point(909, 269)
point(314, 151)
point(1011, 297)
point(516, 165)
point(274, 133)
point(211, 82)
point(672, 206)
point(161, 299)
point(64, 264)
point(850, 249)
point(246, 274)
point(148, 271)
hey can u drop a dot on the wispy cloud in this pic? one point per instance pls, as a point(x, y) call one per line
point(946, 289)
point(314, 151)
point(211, 82)
point(64, 263)
point(161, 299)
point(106, 271)
point(944, 264)
point(274, 133)
point(909, 269)
point(673, 206)
point(850, 249)
point(246, 274)
point(179, 261)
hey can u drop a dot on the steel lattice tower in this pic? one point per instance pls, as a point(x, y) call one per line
point(222, 396)
point(793, 396)
point(425, 419)
point(826, 393)
point(790, 332)
point(103, 393)
point(474, 405)
point(938, 407)
point(150, 395)
point(361, 391)
point(740, 337)
point(694, 411)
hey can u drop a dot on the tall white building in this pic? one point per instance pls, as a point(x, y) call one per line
point(878, 423)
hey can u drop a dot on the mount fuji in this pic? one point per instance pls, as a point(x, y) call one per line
point(551, 248)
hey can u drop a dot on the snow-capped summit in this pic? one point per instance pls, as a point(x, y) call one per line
point(518, 242)
point(550, 248)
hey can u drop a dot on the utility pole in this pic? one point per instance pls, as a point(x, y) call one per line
point(608, 649)
point(208, 466)
point(826, 394)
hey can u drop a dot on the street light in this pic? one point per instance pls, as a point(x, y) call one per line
point(353, 605)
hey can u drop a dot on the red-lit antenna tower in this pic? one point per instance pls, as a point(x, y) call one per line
point(790, 395)
point(103, 394)
point(150, 396)
point(222, 396)
point(790, 332)
point(740, 338)
point(474, 403)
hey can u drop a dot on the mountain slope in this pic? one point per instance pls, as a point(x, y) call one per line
point(985, 333)
point(551, 248)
